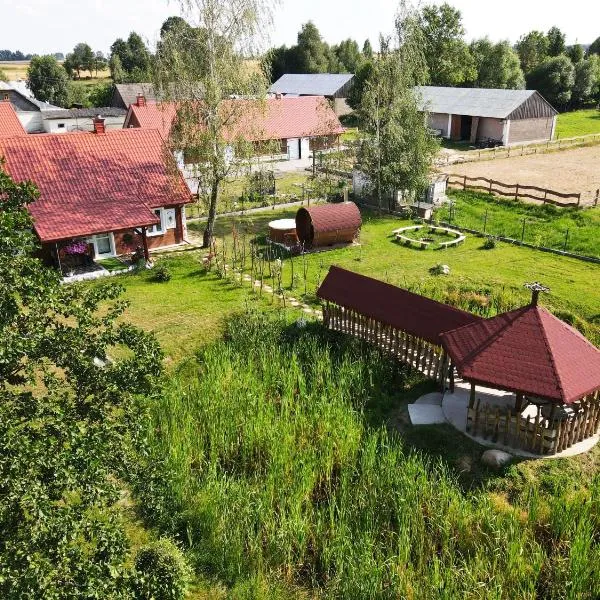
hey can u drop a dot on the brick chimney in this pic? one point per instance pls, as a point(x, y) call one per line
point(278, 96)
point(141, 100)
point(98, 124)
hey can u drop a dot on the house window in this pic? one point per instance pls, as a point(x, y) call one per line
point(159, 228)
point(5, 96)
point(61, 125)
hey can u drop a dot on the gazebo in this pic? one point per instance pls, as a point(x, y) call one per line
point(530, 381)
point(546, 364)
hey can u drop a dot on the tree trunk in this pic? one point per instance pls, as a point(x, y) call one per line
point(212, 215)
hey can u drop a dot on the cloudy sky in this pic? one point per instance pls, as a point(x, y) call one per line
point(42, 26)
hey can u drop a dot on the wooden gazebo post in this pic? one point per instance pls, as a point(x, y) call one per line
point(472, 396)
point(145, 245)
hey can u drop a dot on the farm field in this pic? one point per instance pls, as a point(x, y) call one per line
point(570, 171)
point(578, 122)
point(560, 228)
point(18, 70)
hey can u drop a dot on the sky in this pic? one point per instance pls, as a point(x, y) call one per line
point(47, 26)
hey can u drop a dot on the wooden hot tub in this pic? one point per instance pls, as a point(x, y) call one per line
point(283, 231)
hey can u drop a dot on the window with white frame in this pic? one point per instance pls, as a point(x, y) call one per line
point(159, 228)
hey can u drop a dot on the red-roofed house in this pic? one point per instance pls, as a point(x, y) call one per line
point(111, 189)
point(299, 124)
point(10, 126)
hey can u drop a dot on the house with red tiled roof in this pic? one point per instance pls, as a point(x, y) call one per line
point(102, 193)
point(10, 126)
point(297, 124)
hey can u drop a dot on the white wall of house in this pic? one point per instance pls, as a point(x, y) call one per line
point(83, 124)
point(31, 120)
point(293, 149)
point(439, 122)
point(304, 147)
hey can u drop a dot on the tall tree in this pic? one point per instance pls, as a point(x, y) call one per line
point(65, 422)
point(48, 81)
point(117, 72)
point(586, 81)
point(594, 47)
point(397, 148)
point(556, 41)
point(81, 59)
point(497, 65)
point(554, 79)
point(448, 58)
point(134, 56)
point(367, 49)
point(199, 74)
point(576, 53)
point(311, 50)
point(348, 55)
point(532, 49)
point(361, 78)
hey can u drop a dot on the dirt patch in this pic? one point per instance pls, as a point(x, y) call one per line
point(570, 171)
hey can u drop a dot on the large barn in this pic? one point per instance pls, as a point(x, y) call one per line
point(475, 114)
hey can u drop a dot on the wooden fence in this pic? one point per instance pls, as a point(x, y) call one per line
point(517, 190)
point(520, 150)
point(429, 359)
point(537, 435)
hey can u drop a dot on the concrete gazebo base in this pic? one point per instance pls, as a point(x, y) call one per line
point(455, 408)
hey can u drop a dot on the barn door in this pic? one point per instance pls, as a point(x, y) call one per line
point(456, 127)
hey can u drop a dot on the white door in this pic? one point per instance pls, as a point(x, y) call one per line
point(293, 145)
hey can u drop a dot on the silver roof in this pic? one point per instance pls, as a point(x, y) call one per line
point(476, 102)
point(318, 84)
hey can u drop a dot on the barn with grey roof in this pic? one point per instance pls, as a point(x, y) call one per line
point(476, 114)
point(333, 86)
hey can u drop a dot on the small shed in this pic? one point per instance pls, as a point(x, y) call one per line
point(328, 224)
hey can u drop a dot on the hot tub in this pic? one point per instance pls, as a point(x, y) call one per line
point(283, 231)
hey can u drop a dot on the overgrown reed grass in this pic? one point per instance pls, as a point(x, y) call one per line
point(268, 464)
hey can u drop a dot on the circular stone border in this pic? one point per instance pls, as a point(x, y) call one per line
point(458, 236)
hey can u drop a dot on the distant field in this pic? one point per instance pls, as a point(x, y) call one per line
point(18, 70)
point(578, 122)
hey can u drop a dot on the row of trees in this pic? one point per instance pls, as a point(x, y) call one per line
point(568, 77)
point(312, 54)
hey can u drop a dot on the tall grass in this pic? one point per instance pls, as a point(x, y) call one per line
point(268, 462)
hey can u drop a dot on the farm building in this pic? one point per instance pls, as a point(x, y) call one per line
point(295, 125)
point(475, 114)
point(104, 193)
point(81, 119)
point(125, 94)
point(333, 86)
point(29, 110)
point(328, 224)
point(529, 381)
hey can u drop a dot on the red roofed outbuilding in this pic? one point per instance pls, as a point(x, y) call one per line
point(299, 124)
point(112, 189)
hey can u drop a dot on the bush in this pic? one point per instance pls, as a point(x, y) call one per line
point(489, 244)
point(162, 273)
point(161, 572)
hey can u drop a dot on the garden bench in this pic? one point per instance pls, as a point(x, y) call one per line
point(453, 242)
point(407, 240)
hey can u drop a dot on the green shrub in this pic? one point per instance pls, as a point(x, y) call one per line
point(161, 572)
point(162, 273)
point(490, 243)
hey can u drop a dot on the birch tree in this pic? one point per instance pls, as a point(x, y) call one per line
point(397, 148)
point(206, 70)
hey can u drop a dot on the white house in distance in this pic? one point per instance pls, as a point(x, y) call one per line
point(333, 86)
point(474, 114)
point(63, 120)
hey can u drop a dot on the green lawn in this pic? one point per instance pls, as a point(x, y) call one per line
point(560, 228)
point(578, 122)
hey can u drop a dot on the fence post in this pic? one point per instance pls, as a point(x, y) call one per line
point(578, 199)
point(490, 192)
point(465, 182)
point(597, 197)
point(517, 192)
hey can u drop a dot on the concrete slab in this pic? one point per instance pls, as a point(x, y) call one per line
point(426, 414)
point(432, 398)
